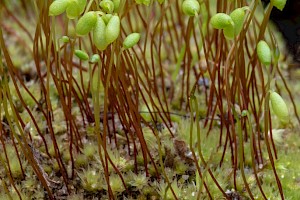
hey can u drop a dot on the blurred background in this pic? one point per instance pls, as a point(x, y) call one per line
point(288, 22)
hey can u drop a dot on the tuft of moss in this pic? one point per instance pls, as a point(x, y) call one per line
point(139, 181)
point(90, 149)
point(116, 184)
point(81, 160)
point(91, 180)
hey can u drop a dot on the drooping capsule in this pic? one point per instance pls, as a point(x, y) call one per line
point(237, 16)
point(95, 58)
point(264, 53)
point(190, 7)
point(221, 21)
point(81, 54)
point(279, 107)
point(86, 23)
point(73, 9)
point(81, 5)
point(107, 6)
point(131, 40)
point(65, 39)
point(106, 18)
point(279, 4)
point(99, 37)
point(112, 30)
point(58, 7)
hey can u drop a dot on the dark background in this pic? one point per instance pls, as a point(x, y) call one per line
point(288, 22)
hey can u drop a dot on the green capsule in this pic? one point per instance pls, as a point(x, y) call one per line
point(264, 53)
point(244, 113)
point(106, 18)
point(229, 31)
point(131, 40)
point(279, 4)
point(95, 58)
point(81, 54)
point(107, 6)
point(86, 23)
point(81, 5)
point(99, 37)
point(221, 21)
point(112, 31)
point(237, 16)
point(190, 7)
point(279, 107)
point(116, 5)
point(73, 9)
point(65, 39)
point(58, 7)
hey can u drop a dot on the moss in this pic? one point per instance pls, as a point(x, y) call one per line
point(90, 149)
point(91, 180)
point(165, 192)
point(180, 167)
point(13, 162)
point(155, 73)
point(116, 184)
point(81, 160)
point(139, 181)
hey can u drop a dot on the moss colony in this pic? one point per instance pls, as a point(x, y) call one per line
point(146, 99)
